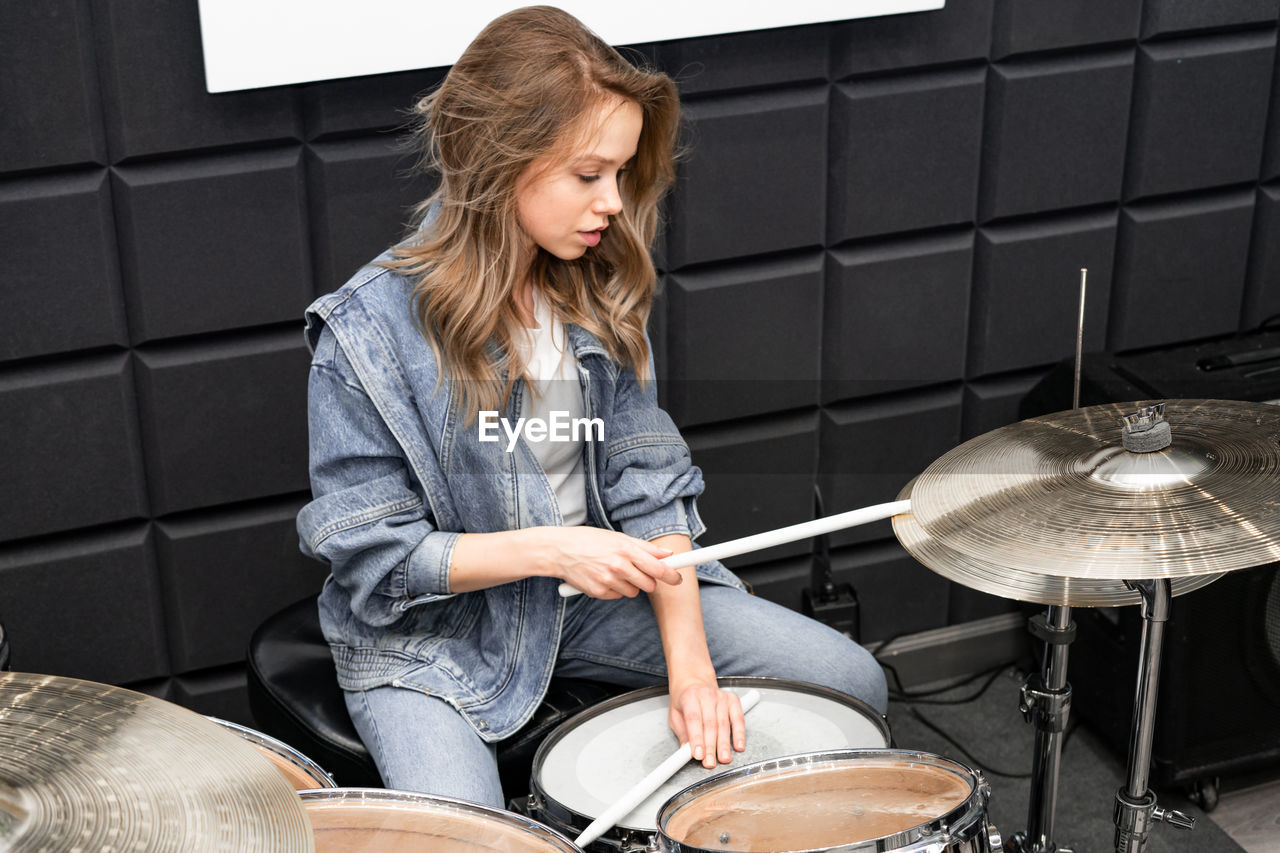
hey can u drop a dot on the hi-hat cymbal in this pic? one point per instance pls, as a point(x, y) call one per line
point(1059, 495)
point(87, 766)
point(986, 576)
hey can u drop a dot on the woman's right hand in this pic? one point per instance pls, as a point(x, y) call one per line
point(603, 563)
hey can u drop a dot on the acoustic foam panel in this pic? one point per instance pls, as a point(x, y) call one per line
point(992, 402)
point(743, 339)
point(71, 446)
point(1199, 113)
point(760, 59)
point(1262, 294)
point(759, 476)
point(224, 572)
point(754, 181)
point(1183, 265)
point(224, 421)
point(1170, 17)
point(357, 105)
point(58, 301)
point(57, 593)
point(1022, 27)
point(870, 449)
point(894, 314)
point(49, 93)
point(896, 595)
point(904, 153)
point(214, 244)
point(1055, 134)
point(960, 30)
point(1026, 298)
point(362, 202)
point(221, 693)
point(154, 87)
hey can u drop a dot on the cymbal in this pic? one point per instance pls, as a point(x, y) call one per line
point(1059, 495)
point(89, 766)
point(986, 576)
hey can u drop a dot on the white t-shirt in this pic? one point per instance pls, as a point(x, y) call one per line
point(553, 368)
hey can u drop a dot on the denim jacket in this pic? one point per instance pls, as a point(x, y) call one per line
point(397, 473)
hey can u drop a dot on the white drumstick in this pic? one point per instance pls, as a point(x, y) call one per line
point(781, 536)
point(646, 786)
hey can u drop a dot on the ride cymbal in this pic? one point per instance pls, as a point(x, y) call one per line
point(987, 577)
point(1059, 495)
point(87, 766)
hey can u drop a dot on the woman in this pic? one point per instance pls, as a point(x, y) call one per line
point(447, 521)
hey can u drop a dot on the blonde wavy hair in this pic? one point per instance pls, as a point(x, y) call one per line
point(525, 89)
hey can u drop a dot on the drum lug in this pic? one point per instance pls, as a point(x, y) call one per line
point(534, 804)
point(994, 843)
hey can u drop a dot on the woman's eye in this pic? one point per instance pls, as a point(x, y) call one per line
point(587, 179)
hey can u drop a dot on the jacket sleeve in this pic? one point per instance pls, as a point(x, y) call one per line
point(650, 482)
point(367, 519)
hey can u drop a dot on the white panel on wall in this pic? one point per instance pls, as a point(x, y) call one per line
point(250, 44)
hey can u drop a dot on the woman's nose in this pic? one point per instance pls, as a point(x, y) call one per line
point(609, 202)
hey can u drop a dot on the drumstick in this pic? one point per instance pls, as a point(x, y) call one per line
point(646, 786)
point(781, 536)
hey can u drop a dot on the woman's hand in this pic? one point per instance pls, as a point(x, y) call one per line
point(709, 719)
point(605, 563)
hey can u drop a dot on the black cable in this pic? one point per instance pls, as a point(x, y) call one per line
point(966, 753)
point(921, 697)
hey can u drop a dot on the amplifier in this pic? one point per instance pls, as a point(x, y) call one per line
point(1218, 710)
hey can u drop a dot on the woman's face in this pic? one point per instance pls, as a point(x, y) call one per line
point(564, 204)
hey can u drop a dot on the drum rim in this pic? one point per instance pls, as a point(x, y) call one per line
point(396, 796)
point(553, 809)
point(284, 750)
point(956, 822)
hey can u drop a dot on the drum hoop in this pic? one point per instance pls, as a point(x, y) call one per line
point(279, 747)
point(957, 822)
point(393, 797)
point(556, 811)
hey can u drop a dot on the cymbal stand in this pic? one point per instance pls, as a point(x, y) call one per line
point(1045, 703)
point(1136, 808)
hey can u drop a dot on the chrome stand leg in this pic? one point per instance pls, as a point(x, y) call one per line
point(1046, 703)
point(1136, 808)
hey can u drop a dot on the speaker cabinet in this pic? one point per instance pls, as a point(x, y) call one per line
point(1218, 711)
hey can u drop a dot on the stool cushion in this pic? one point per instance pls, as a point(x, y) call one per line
point(294, 696)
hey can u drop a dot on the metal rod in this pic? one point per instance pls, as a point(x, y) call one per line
point(1155, 613)
point(1136, 808)
point(1075, 396)
point(1050, 722)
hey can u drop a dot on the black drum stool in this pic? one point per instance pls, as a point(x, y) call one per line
point(294, 696)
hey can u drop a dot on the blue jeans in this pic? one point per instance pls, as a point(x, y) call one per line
point(420, 743)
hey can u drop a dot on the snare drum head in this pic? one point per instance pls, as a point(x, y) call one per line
point(819, 802)
point(595, 758)
point(346, 820)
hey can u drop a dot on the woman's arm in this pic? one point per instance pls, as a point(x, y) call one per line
point(600, 563)
point(709, 718)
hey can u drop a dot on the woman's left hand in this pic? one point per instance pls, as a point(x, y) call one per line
point(709, 719)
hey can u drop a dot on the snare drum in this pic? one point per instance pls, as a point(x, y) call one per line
point(849, 800)
point(301, 771)
point(387, 821)
point(590, 760)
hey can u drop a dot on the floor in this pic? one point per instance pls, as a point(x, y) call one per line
point(1251, 816)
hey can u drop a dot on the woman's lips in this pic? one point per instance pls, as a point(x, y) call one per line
point(591, 238)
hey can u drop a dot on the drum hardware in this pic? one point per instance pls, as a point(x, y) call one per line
point(1065, 508)
point(834, 604)
point(302, 772)
point(780, 536)
point(643, 789)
